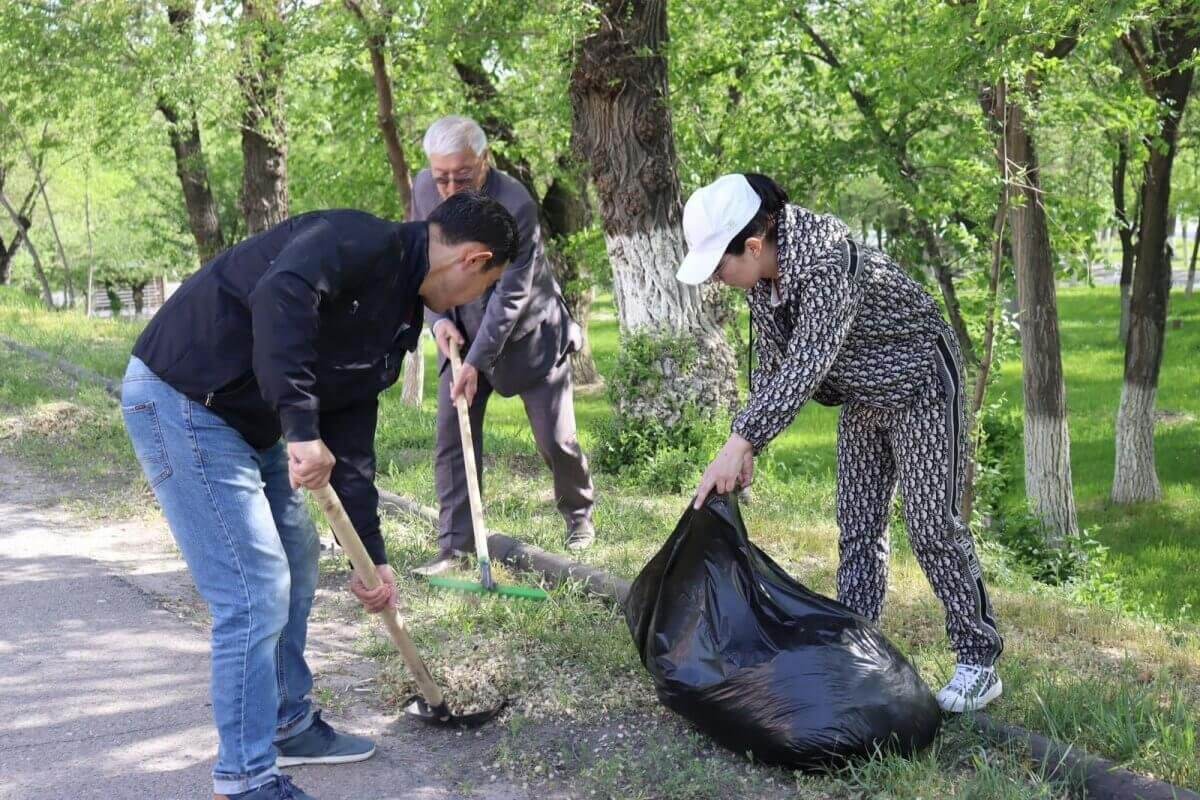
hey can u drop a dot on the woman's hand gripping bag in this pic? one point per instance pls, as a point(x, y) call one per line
point(763, 665)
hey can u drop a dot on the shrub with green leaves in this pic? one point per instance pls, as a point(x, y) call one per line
point(644, 447)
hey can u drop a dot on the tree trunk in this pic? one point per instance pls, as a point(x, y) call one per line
point(35, 166)
point(941, 270)
point(190, 164)
point(18, 220)
point(566, 211)
point(138, 292)
point(264, 132)
point(1191, 281)
point(1048, 484)
point(68, 283)
point(621, 129)
point(414, 369)
point(989, 338)
point(1136, 478)
point(114, 300)
point(413, 390)
point(386, 116)
point(1125, 229)
point(24, 221)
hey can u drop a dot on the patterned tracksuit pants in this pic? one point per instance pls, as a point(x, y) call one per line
point(923, 445)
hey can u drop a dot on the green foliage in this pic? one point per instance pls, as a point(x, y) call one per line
point(1080, 557)
point(586, 249)
point(644, 449)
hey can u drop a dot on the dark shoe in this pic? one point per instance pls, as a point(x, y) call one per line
point(581, 535)
point(444, 561)
point(321, 744)
point(278, 788)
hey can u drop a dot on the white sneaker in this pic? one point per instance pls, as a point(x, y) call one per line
point(970, 689)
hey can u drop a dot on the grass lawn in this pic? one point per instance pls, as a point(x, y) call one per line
point(1155, 547)
point(584, 713)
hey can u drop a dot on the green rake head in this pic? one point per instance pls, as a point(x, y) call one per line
point(525, 592)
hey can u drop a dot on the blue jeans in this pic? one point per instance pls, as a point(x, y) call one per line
point(252, 550)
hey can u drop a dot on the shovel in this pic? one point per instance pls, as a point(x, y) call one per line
point(430, 705)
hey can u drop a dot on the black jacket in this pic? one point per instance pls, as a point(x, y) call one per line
point(296, 331)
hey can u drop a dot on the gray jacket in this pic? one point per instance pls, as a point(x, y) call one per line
point(520, 328)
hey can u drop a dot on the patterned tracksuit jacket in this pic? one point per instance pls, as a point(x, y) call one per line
point(844, 325)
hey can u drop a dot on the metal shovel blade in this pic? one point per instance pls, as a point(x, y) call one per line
point(440, 715)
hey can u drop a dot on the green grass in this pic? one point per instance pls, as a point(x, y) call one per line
point(1154, 545)
point(1122, 686)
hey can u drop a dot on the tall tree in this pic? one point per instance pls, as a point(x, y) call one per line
point(264, 130)
point(35, 163)
point(1126, 228)
point(893, 142)
point(622, 131)
point(47, 294)
point(1048, 483)
point(1164, 58)
point(375, 30)
point(184, 133)
point(22, 222)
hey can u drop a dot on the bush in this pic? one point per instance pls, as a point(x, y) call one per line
point(1081, 560)
point(656, 439)
point(1080, 557)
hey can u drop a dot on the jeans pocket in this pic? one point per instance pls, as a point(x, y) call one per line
point(141, 420)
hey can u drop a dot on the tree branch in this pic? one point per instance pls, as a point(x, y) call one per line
point(47, 294)
point(482, 92)
point(385, 114)
point(1137, 55)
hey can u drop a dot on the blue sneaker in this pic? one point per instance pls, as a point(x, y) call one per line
point(321, 744)
point(278, 788)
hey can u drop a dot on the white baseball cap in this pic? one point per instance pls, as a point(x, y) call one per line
point(714, 214)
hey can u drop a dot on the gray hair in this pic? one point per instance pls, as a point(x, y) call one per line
point(453, 134)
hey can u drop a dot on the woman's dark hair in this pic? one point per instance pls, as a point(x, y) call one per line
point(764, 224)
point(475, 217)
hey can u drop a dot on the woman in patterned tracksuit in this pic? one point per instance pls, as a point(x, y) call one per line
point(840, 323)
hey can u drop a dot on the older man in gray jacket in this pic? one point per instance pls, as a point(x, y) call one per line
point(519, 337)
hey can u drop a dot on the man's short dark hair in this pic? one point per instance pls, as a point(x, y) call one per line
point(475, 217)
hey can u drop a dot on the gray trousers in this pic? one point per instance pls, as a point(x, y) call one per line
point(550, 406)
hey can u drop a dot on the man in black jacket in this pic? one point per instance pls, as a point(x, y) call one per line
point(293, 333)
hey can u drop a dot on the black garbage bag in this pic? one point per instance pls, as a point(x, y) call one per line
point(763, 665)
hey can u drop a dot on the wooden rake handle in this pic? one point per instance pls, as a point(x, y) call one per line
point(364, 568)
point(468, 451)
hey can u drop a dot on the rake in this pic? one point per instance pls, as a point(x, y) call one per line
point(486, 584)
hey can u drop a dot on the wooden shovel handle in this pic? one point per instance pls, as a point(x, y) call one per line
point(468, 450)
point(364, 568)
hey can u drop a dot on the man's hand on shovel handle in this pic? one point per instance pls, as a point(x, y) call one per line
point(465, 384)
point(382, 596)
point(309, 464)
point(445, 332)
